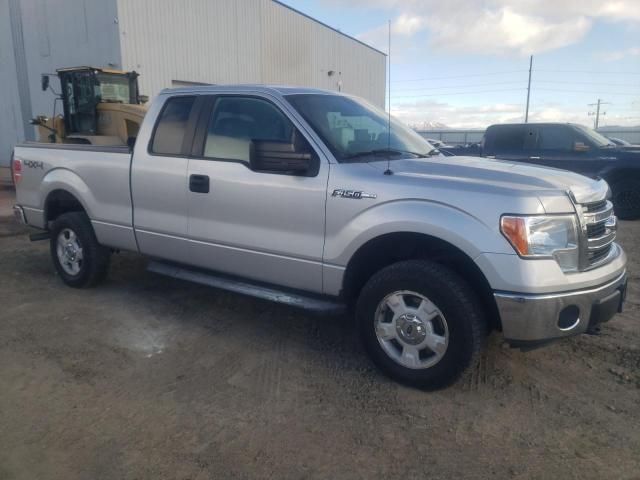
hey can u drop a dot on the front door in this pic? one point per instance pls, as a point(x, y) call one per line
point(246, 220)
point(562, 147)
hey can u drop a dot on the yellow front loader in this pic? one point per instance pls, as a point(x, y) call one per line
point(99, 107)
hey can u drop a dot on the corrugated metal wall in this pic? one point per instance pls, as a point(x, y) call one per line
point(242, 41)
point(11, 125)
point(39, 36)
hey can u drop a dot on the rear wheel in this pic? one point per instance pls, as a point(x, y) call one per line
point(78, 257)
point(420, 323)
point(626, 198)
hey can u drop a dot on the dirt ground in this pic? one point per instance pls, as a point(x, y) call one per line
point(147, 377)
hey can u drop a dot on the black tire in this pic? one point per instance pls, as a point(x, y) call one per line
point(451, 295)
point(626, 198)
point(95, 258)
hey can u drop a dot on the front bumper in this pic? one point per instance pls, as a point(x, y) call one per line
point(529, 319)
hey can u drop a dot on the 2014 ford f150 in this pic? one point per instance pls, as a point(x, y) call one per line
point(316, 199)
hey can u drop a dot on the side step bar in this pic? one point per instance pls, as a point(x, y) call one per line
point(36, 237)
point(273, 294)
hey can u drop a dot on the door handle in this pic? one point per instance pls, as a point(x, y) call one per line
point(534, 158)
point(199, 183)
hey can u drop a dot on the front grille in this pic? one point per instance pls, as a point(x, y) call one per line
point(599, 233)
point(595, 206)
point(595, 257)
point(596, 230)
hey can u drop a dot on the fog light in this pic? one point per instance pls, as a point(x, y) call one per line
point(569, 317)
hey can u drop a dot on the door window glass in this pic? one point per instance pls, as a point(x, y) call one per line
point(556, 137)
point(237, 121)
point(171, 126)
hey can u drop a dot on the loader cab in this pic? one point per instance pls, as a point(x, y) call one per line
point(84, 88)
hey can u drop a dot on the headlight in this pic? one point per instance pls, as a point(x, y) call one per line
point(544, 237)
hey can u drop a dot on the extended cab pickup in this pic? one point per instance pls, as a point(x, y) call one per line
point(312, 198)
point(570, 147)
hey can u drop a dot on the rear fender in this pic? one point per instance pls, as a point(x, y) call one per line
point(67, 180)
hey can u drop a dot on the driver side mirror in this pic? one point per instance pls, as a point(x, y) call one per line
point(44, 82)
point(280, 157)
point(580, 147)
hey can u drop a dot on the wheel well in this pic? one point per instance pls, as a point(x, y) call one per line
point(59, 202)
point(387, 249)
point(621, 174)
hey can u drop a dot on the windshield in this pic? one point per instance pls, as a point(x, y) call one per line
point(354, 129)
point(115, 88)
point(595, 137)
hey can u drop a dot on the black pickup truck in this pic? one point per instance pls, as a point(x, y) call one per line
point(569, 147)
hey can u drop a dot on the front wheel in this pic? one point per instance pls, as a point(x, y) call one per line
point(420, 323)
point(78, 257)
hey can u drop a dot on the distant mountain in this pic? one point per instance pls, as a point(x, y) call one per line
point(616, 128)
point(430, 126)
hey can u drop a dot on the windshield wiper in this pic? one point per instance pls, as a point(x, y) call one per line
point(381, 151)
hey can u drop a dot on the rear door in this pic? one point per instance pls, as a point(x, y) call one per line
point(253, 223)
point(159, 179)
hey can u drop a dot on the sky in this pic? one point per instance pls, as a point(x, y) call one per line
point(464, 63)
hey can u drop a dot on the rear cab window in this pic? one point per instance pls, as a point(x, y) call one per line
point(169, 133)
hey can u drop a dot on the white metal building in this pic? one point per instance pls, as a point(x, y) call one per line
point(171, 42)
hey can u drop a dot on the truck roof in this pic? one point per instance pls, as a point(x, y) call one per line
point(262, 88)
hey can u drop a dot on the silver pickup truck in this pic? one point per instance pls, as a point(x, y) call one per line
point(318, 200)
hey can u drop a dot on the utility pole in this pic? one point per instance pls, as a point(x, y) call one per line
point(597, 112)
point(526, 113)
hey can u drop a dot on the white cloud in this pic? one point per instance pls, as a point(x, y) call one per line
point(506, 31)
point(614, 56)
point(403, 29)
point(520, 27)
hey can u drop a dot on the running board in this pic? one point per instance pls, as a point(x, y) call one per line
point(294, 299)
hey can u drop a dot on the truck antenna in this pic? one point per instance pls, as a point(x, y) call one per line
point(388, 170)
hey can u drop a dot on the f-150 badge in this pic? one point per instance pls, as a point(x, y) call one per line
point(339, 192)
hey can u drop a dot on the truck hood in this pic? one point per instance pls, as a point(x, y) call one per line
point(500, 174)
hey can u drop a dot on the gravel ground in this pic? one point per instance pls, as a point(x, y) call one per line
point(147, 377)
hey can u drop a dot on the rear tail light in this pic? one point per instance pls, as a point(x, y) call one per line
point(17, 171)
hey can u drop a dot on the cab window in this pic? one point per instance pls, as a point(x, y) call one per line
point(556, 137)
point(236, 122)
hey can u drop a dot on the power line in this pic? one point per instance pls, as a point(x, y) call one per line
point(630, 94)
point(472, 85)
point(459, 76)
point(589, 83)
point(460, 93)
point(597, 72)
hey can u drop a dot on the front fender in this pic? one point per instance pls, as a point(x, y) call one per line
point(468, 233)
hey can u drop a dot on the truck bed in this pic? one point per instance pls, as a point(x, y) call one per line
point(96, 175)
